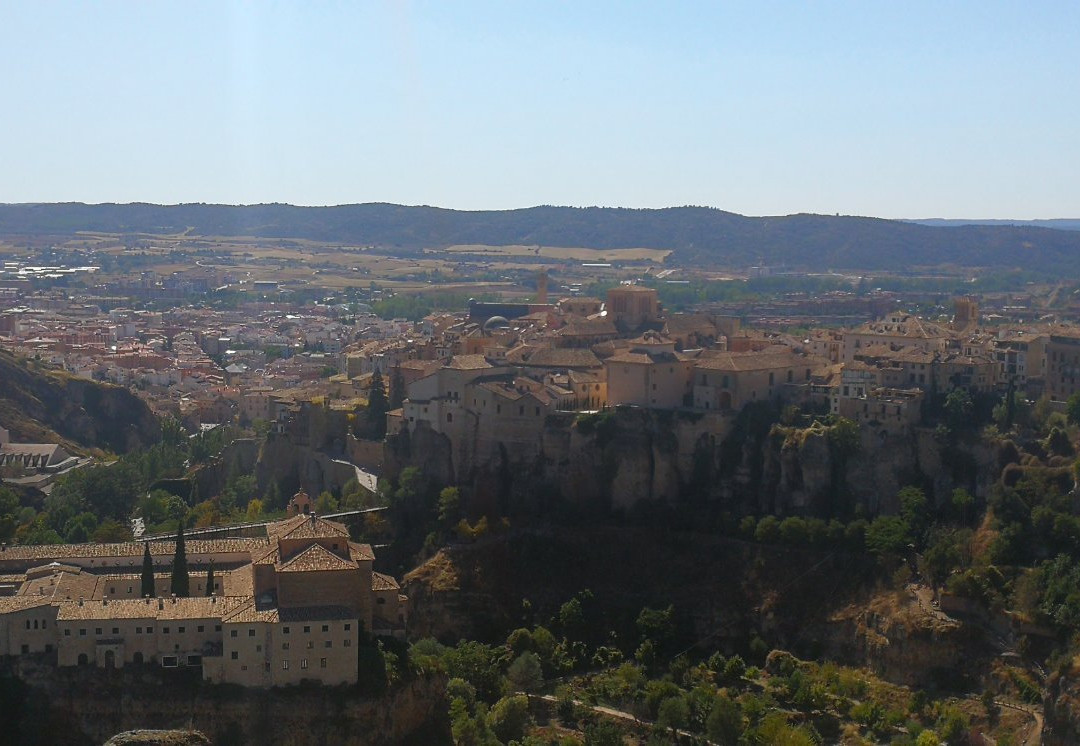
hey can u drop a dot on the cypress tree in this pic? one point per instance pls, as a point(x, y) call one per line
point(180, 585)
point(210, 579)
point(148, 589)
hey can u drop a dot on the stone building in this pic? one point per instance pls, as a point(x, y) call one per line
point(290, 607)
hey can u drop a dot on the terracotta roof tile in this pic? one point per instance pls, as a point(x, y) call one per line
point(316, 557)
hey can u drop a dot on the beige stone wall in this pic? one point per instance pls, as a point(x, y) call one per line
point(265, 654)
point(28, 631)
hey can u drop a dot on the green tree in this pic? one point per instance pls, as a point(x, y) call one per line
point(210, 579)
point(111, 531)
point(958, 409)
point(724, 725)
point(180, 583)
point(674, 713)
point(147, 589)
point(962, 503)
point(449, 506)
point(768, 530)
point(603, 733)
point(1072, 408)
point(325, 503)
point(9, 512)
point(509, 717)
point(888, 535)
point(525, 673)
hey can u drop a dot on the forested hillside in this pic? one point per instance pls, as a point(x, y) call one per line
point(697, 235)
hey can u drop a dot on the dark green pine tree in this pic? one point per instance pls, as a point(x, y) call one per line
point(148, 590)
point(210, 579)
point(180, 584)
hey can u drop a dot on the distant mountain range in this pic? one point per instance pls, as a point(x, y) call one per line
point(1061, 224)
point(697, 235)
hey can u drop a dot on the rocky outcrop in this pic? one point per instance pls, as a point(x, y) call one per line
point(1061, 708)
point(902, 640)
point(625, 456)
point(44, 406)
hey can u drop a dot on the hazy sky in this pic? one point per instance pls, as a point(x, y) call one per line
point(897, 109)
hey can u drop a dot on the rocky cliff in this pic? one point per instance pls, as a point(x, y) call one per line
point(45, 406)
point(743, 463)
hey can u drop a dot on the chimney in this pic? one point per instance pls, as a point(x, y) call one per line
point(161, 603)
point(80, 602)
point(104, 600)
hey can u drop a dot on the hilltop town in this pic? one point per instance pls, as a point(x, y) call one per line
point(821, 416)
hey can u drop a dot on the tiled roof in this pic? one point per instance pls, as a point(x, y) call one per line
point(747, 361)
point(360, 552)
point(563, 357)
point(316, 557)
point(308, 526)
point(127, 549)
point(468, 362)
point(382, 582)
point(147, 608)
point(248, 613)
point(63, 585)
point(10, 604)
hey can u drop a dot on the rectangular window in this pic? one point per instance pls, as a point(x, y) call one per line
point(97, 631)
point(310, 644)
point(199, 628)
point(284, 646)
point(285, 630)
point(233, 633)
point(307, 629)
point(348, 627)
point(217, 627)
point(258, 648)
point(67, 633)
point(322, 663)
point(116, 630)
point(326, 628)
point(251, 633)
point(328, 644)
point(181, 630)
point(303, 663)
point(149, 630)
point(234, 655)
point(348, 643)
point(165, 630)
point(284, 665)
point(138, 630)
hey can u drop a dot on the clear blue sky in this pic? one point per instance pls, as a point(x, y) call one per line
point(894, 109)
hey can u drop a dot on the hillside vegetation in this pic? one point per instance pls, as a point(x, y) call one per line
point(697, 235)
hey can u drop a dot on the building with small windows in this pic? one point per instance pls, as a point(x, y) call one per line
point(291, 607)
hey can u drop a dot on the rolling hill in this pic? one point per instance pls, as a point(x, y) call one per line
point(697, 235)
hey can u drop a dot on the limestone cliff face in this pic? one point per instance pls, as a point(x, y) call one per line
point(901, 640)
point(624, 456)
point(42, 406)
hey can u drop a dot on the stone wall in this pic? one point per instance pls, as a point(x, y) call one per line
point(95, 706)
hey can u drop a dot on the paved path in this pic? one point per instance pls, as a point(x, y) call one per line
point(611, 712)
